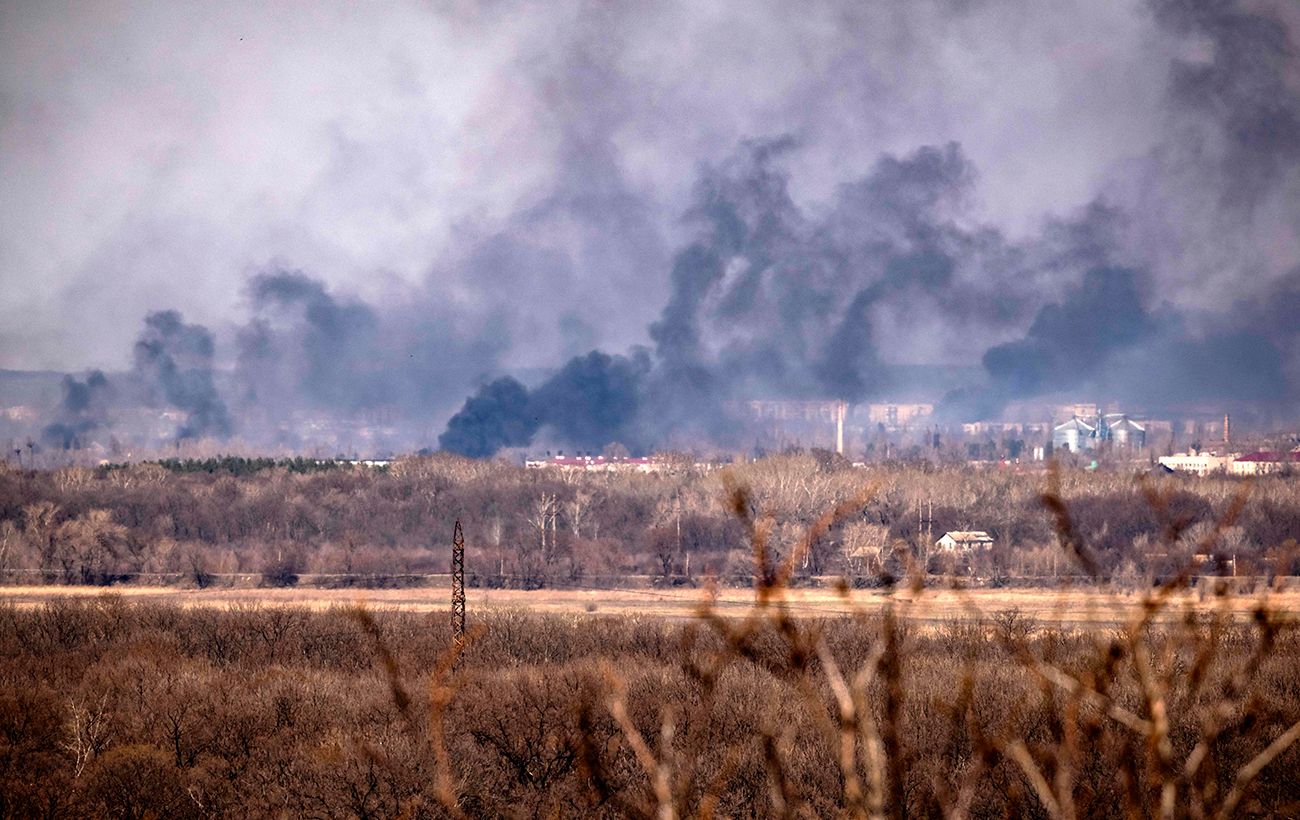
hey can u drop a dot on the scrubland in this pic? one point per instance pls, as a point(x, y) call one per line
point(109, 708)
point(888, 698)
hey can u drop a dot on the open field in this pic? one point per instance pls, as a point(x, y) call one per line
point(1074, 607)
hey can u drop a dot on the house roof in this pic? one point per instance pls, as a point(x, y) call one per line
point(1266, 456)
point(969, 537)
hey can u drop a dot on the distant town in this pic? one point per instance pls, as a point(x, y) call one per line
point(1200, 441)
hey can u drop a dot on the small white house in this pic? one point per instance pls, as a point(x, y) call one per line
point(968, 541)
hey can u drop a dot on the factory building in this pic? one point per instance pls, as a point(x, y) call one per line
point(1196, 463)
point(1081, 433)
point(1074, 435)
point(1123, 431)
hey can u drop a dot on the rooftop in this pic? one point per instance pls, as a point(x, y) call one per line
point(1267, 456)
point(970, 537)
point(1075, 423)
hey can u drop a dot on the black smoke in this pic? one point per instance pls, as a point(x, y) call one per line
point(1070, 341)
point(173, 363)
point(82, 411)
point(497, 416)
point(1171, 284)
point(770, 300)
point(593, 401)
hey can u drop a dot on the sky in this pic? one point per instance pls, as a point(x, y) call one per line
point(520, 179)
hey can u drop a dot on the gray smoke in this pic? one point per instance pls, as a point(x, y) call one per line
point(1245, 95)
point(325, 353)
point(82, 411)
point(771, 301)
point(308, 353)
point(173, 363)
point(1096, 201)
point(1190, 289)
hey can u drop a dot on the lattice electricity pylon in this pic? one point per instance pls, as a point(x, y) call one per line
point(458, 585)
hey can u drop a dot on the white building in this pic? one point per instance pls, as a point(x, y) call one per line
point(964, 541)
point(1196, 463)
point(892, 415)
point(1263, 463)
point(597, 464)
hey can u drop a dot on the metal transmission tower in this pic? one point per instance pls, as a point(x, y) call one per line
point(458, 585)
point(925, 524)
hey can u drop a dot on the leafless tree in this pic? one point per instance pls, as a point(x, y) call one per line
point(88, 730)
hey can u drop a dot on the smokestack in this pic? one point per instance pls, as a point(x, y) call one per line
point(840, 407)
point(1227, 429)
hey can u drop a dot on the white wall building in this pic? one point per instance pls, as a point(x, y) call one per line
point(1263, 463)
point(964, 541)
point(1196, 463)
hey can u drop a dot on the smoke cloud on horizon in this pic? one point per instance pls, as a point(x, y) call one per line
point(597, 239)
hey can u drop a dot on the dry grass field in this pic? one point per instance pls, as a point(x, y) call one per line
point(1062, 607)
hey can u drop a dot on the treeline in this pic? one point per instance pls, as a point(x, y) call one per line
point(243, 465)
point(112, 710)
point(279, 520)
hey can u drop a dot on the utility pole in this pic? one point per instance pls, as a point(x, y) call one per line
point(924, 529)
point(458, 586)
point(929, 524)
point(555, 517)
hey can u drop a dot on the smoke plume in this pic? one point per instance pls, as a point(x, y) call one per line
point(173, 362)
point(594, 400)
point(83, 410)
point(600, 237)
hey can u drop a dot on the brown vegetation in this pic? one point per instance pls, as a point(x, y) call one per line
point(112, 709)
point(540, 528)
point(109, 709)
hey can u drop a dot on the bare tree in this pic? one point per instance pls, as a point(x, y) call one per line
point(865, 545)
point(10, 538)
point(41, 531)
point(543, 518)
point(88, 732)
point(576, 510)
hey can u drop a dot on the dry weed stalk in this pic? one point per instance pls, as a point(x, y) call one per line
point(871, 755)
point(442, 690)
point(1120, 695)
